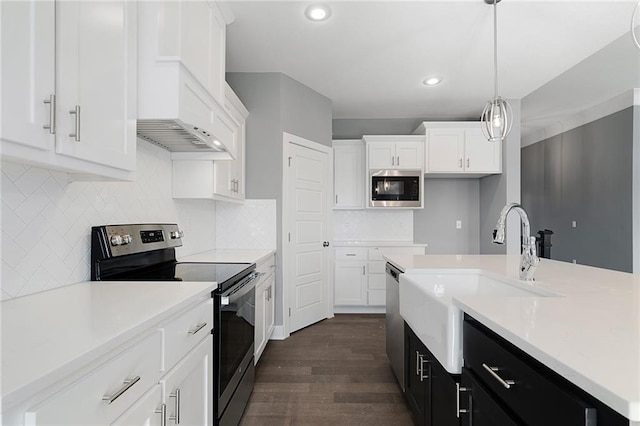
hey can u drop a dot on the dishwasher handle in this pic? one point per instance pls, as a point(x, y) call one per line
point(393, 272)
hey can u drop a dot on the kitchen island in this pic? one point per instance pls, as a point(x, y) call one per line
point(589, 334)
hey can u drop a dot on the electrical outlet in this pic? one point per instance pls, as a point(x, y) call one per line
point(458, 224)
point(574, 224)
point(573, 261)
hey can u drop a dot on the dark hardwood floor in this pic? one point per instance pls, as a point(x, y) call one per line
point(335, 372)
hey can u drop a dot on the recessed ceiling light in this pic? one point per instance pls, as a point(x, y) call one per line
point(432, 81)
point(318, 12)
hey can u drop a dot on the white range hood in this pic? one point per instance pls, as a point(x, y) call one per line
point(181, 79)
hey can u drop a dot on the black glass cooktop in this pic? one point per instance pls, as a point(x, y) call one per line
point(225, 274)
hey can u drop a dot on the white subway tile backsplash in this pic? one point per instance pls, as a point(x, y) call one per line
point(46, 220)
point(251, 225)
point(373, 225)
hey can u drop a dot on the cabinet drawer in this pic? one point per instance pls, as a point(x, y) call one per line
point(102, 395)
point(378, 253)
point(377, 282)
point(346, 253)
point(185, 331)
point(267, 266)
point(531, 385)
point(377, 297)
point(377, 267)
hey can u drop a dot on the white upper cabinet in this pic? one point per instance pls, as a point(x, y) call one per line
point(348, 172)
point(459, 149)
point(96, 80)
point(69, 86)
point(203, 175)
point(395, 152)
point(28, 73)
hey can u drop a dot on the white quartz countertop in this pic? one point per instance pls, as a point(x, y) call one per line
point(48, 335)
point(378, 244)
point(590, 334)
point(229, 256)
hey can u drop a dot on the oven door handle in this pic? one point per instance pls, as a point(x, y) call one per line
point(240, 289)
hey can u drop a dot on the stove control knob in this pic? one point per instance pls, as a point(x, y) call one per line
point(116, 240)
point(176, 234)
point(126, 239)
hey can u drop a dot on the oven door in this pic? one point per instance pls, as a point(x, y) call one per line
point(395, 188)
point(233, 338)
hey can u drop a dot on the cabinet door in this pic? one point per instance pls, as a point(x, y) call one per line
point(222, 178)
point(350, 283)
point(28, 72)
point(417, 383)
point(96, 81)
point(144, 412)
point(382, 155)
point(238, 165)
point(260, 340)
point(270, 307)
point(445, 149)
point(187, 387)
point(480, 154)
point(348, 182)
point(409, 155)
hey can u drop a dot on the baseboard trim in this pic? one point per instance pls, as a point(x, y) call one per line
point(278, 333)
point(359, 309)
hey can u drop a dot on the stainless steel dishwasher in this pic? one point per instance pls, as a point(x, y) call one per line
point(395, 324)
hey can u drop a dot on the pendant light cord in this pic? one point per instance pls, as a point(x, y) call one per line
point(495, 45)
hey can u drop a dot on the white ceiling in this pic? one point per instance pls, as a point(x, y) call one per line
point(371, 57)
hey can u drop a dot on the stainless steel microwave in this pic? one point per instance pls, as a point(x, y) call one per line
point(395, 188)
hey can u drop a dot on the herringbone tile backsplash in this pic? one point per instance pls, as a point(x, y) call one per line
point(46, 220)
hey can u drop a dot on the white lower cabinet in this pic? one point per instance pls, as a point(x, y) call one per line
point(350, 283)
point(265, 306)
point(165, 371)
point(187, 387)
point(359, 274)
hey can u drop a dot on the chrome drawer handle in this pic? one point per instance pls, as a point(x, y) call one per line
point(422, 362)
point(52, 114)
point(458, 409)
point(76, 133)
point(176, 418)
point(197, 328)
point(163, 414)
point(492, 370)
point(128, 383)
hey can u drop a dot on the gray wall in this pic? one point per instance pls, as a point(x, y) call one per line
point(355, 128)
point(498, 190)
point(277, 104)
point(445, 201)
point(585, 175)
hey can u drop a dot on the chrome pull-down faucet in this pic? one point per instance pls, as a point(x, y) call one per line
point(529, 259)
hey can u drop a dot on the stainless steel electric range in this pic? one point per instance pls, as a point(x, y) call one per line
point(146, 252)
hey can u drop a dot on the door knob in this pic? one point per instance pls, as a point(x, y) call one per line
point(325, 244)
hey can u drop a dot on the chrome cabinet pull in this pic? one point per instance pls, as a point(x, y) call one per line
point(128, 383)
point(163, 414)
point(460, 163)
point(336, 198)
point(76, 133)
point(176, 395)
point(350, 254)
point(492, 370)
point(52, 114)
point(363, 271)
point(398, 160)
point(458, 409)
point(197, 328)
point(422, 362)
point(418, 363)
point(467, 163)
point(393, 159)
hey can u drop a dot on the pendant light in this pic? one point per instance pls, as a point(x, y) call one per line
point(497, 116)
point(634, 21)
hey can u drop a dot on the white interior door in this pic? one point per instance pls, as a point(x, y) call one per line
point(308, 203)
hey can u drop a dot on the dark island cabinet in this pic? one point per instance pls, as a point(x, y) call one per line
point(502, 385)
point(430, 390)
